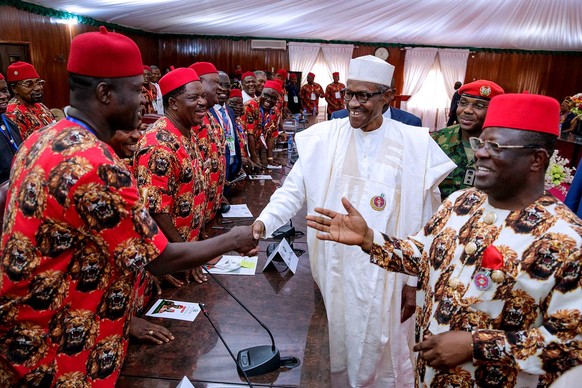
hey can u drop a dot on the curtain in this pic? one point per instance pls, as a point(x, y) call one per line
point(302, 56)
point(338, 58)
point(453, 66)
point(417, 64)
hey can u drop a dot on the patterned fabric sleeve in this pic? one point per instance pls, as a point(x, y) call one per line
point(551, 348)
point(397, 255)
point(157, 170)
point(249, 119)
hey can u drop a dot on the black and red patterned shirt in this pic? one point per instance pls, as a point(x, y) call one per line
point(168, 165)
point(28, 118)
point(75, 243)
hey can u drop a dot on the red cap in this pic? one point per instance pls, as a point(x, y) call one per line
point(481, 89)
point(283, 73)
point(335, 74)
point(248, 74)
point(146, 67)
point(528, 112)
point(310, 74)
point(273, 84)
point(235, 93)
point(202, 68)
point(279, 81)
point(19, 71)
point(176, 78)
point(104, 54)
point(1, 76)
point(293, 76)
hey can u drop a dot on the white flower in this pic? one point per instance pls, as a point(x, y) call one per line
point(558, 172)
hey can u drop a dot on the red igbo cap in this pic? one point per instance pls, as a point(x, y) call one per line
point(293, 76)
point(272, 84)
point(528, 112)
point(283, 73)
point(176, 78)
point(335, 74)
point(202, 68)
point(248, 74)
point(146, 67)
point(1, 76)
point(104, 54)
point(481, 89)
point(310, 74)
point(19, 71)
point(235, 93)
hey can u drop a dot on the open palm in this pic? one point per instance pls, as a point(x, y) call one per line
point(349, 229)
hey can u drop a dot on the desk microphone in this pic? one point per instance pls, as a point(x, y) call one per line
point(257, 360)
point(203, 309)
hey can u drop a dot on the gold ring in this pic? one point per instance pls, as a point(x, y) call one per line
point(151, 332)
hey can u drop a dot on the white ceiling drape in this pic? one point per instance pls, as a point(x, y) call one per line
point(554, 25)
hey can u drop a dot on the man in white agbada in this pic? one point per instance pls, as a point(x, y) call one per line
point(389, 170)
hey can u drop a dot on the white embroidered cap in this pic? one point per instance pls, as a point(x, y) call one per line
point(371, 69)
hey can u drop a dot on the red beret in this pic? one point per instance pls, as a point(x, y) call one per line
point(481, 89)
point(293, 76)
point(146, 67)
point(1, 76)
point(235, 93)
point(248, 74)
point(310, 74)
point(528, 112)
point(202, 68)
point(176, 78)
point(282, 73)
point(21, 70)
point(273, 84)
point(104, 54)
point(335, 74)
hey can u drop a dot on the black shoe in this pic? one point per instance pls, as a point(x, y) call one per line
point(224, 208)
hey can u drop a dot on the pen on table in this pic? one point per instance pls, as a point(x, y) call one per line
point(221, 227)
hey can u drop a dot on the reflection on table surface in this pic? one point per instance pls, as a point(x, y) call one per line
point(290, 305)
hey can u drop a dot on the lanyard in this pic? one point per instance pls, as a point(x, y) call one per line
point(263, 122)
point(6, 131)
point(82, 124)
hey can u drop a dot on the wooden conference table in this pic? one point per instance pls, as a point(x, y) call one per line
point(290, 305)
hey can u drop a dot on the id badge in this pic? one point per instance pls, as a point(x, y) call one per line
point(313, 97)
point(285, 98)
point(296, 99)
point(338, 95)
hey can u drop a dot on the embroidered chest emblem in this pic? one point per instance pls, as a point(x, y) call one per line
point(378, 202)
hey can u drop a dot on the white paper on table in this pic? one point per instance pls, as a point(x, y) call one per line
point(234, 265)
point(185, 383)
point(257, 177)
point(272, 167)
point(173, 309)
point(238, 211)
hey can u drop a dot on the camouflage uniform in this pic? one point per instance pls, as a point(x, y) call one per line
point(449, 139)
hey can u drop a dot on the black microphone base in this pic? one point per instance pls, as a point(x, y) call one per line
point(259, 360)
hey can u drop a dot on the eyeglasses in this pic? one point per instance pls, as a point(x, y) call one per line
point(476, 105)
point(362, 97)
point(270, 97)
point(495, 148)
point(31, 84)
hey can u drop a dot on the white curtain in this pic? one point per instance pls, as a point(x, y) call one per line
point(302, 56)
point(417, 64)
point(453, 67)
point(338, 58)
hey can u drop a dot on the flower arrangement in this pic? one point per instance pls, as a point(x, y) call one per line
point(577, 102)
point(558, 173)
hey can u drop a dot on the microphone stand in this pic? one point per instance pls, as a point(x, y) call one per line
point(256, 360)
point(203, 308)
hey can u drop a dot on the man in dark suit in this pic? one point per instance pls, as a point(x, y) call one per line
point(388, 112)
point(395, 114)
point(224, 115)
point(10, 138)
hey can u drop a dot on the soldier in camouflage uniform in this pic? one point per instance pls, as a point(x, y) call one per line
point(454, 140)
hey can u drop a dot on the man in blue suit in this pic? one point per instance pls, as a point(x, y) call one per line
point(224, 115)
point(388, 112)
